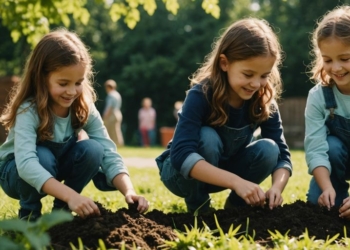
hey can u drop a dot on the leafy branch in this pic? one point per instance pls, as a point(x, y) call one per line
point(32, 18)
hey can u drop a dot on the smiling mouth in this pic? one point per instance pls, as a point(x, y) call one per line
point(249, 90)
point(67, 99)
point(340, 75)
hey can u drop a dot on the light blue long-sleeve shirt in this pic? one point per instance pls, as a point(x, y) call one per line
point(22, 139)
point(113, 101)
point(316, 131)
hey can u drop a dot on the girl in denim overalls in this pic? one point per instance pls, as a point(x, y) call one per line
point(327, 114)
point(231, 95)
point(49, 111)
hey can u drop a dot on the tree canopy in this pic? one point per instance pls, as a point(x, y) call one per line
point(157, 56)
point(32, 18)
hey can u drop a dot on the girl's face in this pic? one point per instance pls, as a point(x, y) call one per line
point(147, 103)
point(246, 77)
point(65, 85)
point(336, 62)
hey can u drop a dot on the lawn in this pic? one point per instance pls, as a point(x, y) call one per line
point(146, 182)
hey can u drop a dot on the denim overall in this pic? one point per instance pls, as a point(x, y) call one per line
point(338, 141)
point(227, 148)
point(75, 163)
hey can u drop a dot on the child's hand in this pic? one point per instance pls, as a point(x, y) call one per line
point(327, 198)
point(251, 193)
point(273, 195)
point(142, 202)
point(83, 206)
point(344, 211)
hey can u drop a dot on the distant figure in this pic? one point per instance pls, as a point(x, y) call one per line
point(177, 107)
point(112, 116)
point(147, 123)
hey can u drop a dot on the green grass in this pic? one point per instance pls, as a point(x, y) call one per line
point(146, 182)
point(151, 152)
point(160, 198)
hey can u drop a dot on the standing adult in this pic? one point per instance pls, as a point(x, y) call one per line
point(112, 115)
point(177, 107)
point(147, 122)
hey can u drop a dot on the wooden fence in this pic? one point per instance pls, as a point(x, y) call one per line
point(293, 120)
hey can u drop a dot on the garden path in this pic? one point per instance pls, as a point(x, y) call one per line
point(139, 162)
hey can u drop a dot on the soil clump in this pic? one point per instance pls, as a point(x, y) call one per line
point(148, 231)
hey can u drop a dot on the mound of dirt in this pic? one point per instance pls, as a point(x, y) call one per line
point(148, 231)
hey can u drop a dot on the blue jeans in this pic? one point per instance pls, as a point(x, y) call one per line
point(75, 163)
point(339, 159)
point(253, 162)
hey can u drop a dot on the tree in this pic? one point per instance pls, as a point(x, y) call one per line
point(32, 18)
point(154, 59)
point(157, 56)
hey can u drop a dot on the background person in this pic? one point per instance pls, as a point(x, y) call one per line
point(112, 115)
point(147, 123)
point(177, 107)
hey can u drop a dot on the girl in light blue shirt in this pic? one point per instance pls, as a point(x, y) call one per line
point(44, 153)
point(327, 113)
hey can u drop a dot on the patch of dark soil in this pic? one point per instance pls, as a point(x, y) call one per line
point(148, 231)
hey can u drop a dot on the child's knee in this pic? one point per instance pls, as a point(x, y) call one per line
point(337, 153)
point(91, 149)
point(209, 142)
point(47, 160)
point(267, 150)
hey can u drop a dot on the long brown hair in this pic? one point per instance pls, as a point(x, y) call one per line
point(244, 39)
point(335, 23)
point(59, 48)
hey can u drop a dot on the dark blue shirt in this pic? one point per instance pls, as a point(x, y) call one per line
point(183, 149)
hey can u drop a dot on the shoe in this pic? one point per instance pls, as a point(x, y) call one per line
point(28, 215)
point(228, 205)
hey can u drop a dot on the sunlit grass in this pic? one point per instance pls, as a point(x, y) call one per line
point(150, 152)
point(147, 182)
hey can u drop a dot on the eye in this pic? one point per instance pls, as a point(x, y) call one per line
point(327, 61)
point(345, 59)
point(247, 75)
point(78, 83)
point(63, 84)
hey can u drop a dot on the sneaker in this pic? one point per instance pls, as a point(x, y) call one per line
point(228, 205)
point(28, 215)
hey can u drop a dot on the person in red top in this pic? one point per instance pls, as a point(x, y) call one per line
point(147, 123)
